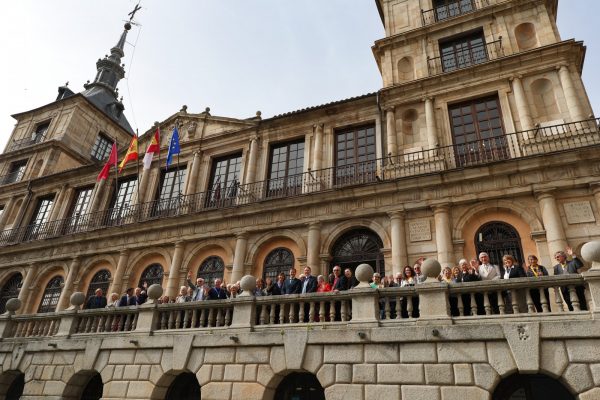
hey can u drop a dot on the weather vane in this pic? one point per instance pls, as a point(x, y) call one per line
point(135, 9)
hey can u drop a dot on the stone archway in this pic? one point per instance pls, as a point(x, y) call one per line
point(531, 387)
point(84, 385)
point(299, 386)
point(358, 246)
point(185, 386)
point(12, 384)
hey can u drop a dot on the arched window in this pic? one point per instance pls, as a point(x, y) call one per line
point(277, 261)
point(531, 387)
point(51, 295)
point(300, 386)
point(10, 290)
point(497, 239)
point(151, 275)
point(357, 247)
point(211, 269)
point(101, 280)
point(184, 387)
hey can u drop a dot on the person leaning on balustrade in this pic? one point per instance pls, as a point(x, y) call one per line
point(96, 301)
point(409, 279)
point(183, 295)
point(217, 292)
point(490, 272)
point(565, 267)
point(271, 289)
point(352, 281)
point(456, 274)
point(419, 276)
point(199, 290)
point(446, 276)
point(114, 301)
point(292, 285)
point(511, 271)
point(260, 286)
point(534, 270)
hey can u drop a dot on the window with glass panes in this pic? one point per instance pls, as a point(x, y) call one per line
point(40, 132)
point(225, 177)
point(285, 172)
point(42, 212)
point(79, 208)
point(463, 51)
point(102, 146)
point(51, 295)
point(1, 211)
point(477, 131)
point(15, 172)
point(355, 154)
point(125, 193)
point(445, 9)
point(172, 183)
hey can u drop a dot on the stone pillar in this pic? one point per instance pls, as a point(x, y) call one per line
point(5, 213)
point(317, 162)
point(117, 282)
point(313, 259)
point(143, 185)
point(59, 199)
point(522, 106)
point(97, 196)
point(398, 234)
point(239, 256)
point(432, 138)
point(390, 119)
point(173, 281)
point(571, 97)
point(443, 236)
point(19, 222)
point(555, 233)
point(252, 159)
point(192, 179)
point(65, 294)
point(595, 190)
point(25, 289)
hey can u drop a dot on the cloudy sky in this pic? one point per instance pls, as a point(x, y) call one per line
point(234, 56)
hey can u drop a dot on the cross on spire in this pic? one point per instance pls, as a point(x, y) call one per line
point(135, 9)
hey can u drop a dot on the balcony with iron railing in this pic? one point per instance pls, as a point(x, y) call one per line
point(12, 177)
point(451, 10)
point(491, 149)
point(26, 142)
point(466, 57)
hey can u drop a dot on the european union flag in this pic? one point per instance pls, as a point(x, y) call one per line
point(173, 146)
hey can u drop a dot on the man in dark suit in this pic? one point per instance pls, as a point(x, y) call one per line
point(217, 292)
point(126, 298)
point(292, 285)
point(564, 267)
point(352, 281)
point(310, 282)
point(97, 301)
point(338, 281)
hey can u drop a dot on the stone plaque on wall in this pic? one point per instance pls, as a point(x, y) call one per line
point(579, 212)
point(419, 230)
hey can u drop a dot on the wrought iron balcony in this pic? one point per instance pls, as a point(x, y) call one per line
point(12, 177)
point(451, 10)
point(466, 57)
point(539, 141)
point(22, 143)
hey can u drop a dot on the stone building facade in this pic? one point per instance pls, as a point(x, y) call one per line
point(482, 137)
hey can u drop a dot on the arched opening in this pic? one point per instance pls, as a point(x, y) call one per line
point(531, 387)
point(300, 386)
point(406, 70)
point(100, 280)
point(185, 386)
point(12, 384)
point(497, 239)
point(409, 125)
point(10, 290)
point(357, 247)
point(51, 295)
point(544, 99)
point(151, 275)
point(84, 385)
point(211, 268)
point(526, 36)
point(277, 261)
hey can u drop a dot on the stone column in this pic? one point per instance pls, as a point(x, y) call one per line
point(25, 289)
point(398, 234)
point(5, 213)
point(522, 106)
point(97, 196)
point(173, 281)
point(239, 256)
point(571, 97)
point(432, 138)
point(143, 185)
point(59, 199)
point(65, 294)
point(192, 179)
point(595, 190)
point(117, 282)
point(390, 119)
point(443, 235)
point(252, 159)
point(313, 258)
point(555, 233)
point(317, 162)
point(19, 222)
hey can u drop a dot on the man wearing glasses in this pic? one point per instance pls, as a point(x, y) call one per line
point(565, 266)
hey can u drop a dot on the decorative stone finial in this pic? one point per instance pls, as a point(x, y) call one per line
point(364, 273)
point(154, 292)
point(431, 268)
point(248, 284)
point(13, 305)
point(183, 109)
point(258, 114)
point(77, 299)
point(591, 253)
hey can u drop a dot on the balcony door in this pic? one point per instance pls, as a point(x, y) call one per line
point(355, 156)
point(477, 131)
point(463, 51)
point(224, 181)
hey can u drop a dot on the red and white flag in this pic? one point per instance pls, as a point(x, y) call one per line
point(153, 148)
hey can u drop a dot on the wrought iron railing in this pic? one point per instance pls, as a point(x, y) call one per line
point(12, 177)
point(451, 10)
point(465, 58)
point(495, 148)
point(29, 141)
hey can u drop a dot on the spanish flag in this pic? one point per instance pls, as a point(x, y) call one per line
point(132, 153)
point(153, 148)
point(112, 160)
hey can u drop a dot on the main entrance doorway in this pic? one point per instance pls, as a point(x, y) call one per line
point(497, 239)
point(359, 246)
point(300, 386)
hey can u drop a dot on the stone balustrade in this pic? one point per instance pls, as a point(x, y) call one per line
point(120, 319)
point(194, 315)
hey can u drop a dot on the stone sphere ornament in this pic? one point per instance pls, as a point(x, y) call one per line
point(591, 253)
point(431, 268)
point(248, 284)
point(364, 273)
point(13, 305)
point(77, 299)
point(155, 291)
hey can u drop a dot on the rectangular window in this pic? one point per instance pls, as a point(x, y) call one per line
point(1, 212)
point(102, 147)
point(78, 215)
point(39, 222)
point(121, 203)
point(15, 172)
point(224, 180)
point(463, 51)
point(477, 131)
point(285, 171)
point(171, 190)
point(40, 132)
point(445, 9)
point(355, 156)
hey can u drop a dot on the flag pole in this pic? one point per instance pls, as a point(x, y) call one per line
point(116, 169)
point(139, 178)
